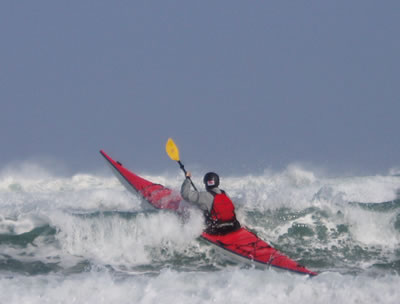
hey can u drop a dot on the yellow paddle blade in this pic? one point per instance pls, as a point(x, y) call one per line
point(172, 149)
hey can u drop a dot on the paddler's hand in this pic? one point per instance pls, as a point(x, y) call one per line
point(188, 174)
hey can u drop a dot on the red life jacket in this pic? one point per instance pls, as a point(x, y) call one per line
point(222, 209)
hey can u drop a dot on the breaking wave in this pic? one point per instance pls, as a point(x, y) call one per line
point(85, 237)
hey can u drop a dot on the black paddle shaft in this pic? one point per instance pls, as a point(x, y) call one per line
point(184, 171)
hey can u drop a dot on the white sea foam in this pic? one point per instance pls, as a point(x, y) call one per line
point(115, 240)
point(19, 225)
point(373, 228)
point(292, 187)
point(226, 286)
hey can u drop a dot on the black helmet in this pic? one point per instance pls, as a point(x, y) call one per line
point(211, 180)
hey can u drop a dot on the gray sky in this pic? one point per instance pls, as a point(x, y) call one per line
point(240, 85)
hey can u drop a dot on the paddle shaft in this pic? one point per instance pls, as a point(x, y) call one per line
point(184, 171)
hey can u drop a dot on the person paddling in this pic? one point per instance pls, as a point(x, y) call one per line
point(219, 210)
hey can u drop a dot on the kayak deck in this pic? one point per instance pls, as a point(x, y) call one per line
point(245, 244)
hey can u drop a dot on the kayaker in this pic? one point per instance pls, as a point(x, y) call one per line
point(218, 208)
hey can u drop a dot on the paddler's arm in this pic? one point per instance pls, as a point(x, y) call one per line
point(201, 199)
point(187, 193)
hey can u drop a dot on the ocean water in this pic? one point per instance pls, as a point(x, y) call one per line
point(85, 239)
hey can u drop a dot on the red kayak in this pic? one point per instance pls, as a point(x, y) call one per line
point(242, 244)
point(247, 246)
point(157, 195)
